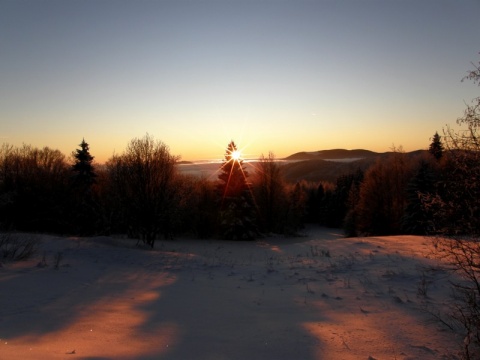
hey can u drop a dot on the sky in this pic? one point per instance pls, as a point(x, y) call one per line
point(274, 76)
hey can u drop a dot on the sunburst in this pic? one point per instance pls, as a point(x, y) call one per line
point(236, 155)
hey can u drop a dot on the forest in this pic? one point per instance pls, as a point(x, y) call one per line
point(142, 194)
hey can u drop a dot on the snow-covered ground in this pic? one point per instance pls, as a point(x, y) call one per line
point(319, 296)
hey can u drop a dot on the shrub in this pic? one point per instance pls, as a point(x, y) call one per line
point(15, 247)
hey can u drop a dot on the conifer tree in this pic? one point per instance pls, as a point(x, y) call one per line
point(436, 147)
point(236, 202)
point(85, 206)
point(83, 168)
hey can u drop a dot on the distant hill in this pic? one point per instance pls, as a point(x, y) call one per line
point(328, 165)
point(333, 154)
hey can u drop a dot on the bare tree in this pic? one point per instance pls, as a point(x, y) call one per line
point(33, 188)
point(382, 199)
point(144, 176)
point(456, 207)
point(270, 194)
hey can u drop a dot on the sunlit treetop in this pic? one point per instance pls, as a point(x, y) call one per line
point(233, 154)
point(232, 174)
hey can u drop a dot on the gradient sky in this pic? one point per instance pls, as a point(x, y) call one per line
point(281, 76)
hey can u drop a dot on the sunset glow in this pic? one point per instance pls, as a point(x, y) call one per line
point(288, 76)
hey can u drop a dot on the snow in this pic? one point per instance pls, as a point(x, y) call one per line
point(319, 296)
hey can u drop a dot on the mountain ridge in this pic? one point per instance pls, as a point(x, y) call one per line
point(328, 165)
point(333, 154)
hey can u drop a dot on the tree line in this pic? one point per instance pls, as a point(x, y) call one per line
point(139, 193)
point(142, 194)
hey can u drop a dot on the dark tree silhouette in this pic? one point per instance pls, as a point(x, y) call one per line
point(457, 213)
point(417, 219)
point(458, 202)
point(237, 212)
point(83, 168)
point(338, 203)
point(351, 216)
point(33, 188)
point(84, 210)
point(144, 183)
point(296, 209)
point(382, 198)
point(436, 147)
point(270, 194)
point(199, 207)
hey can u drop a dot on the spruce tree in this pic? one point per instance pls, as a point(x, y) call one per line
point(84, 217)
point(236, 202)
point(436, 147)
point(83, 168)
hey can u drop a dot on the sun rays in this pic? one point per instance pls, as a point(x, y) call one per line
point(234, 175)
point(236, 155)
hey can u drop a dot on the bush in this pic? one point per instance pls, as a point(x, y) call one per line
point(15, 247)
point(463, 256)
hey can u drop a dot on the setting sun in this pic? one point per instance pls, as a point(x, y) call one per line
point(236, 155)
